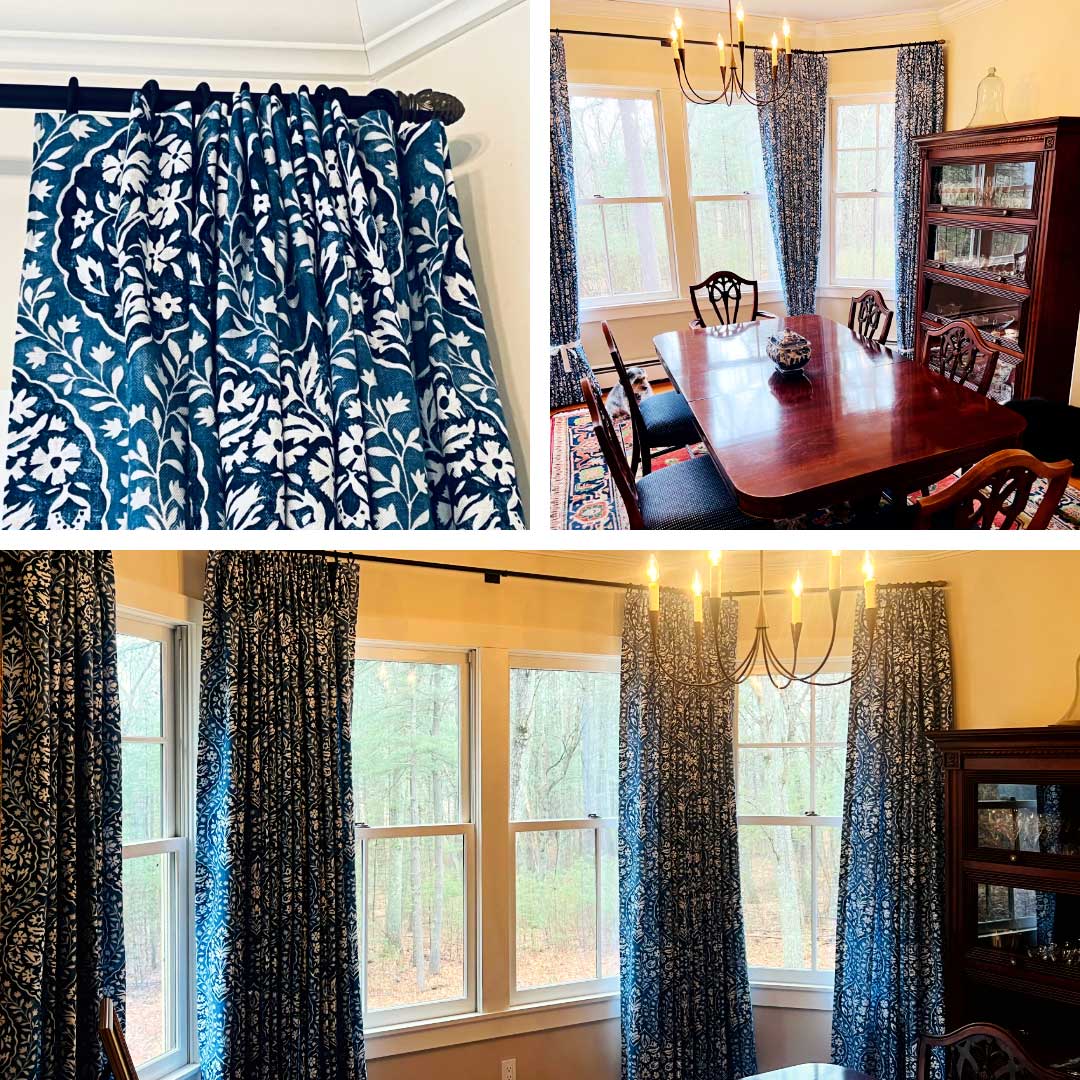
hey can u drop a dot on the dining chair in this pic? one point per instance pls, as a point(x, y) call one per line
point(112, 1039)
point(866, 314)
point(684, 495)
point(955, 351)
point(724, 289)
point(660, 422)
point(979, 1051)
point(994, 493)
point(1053, 428)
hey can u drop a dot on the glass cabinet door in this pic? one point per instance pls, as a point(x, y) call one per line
point(996, 316)
point(1040, 928)
point(1039, 819)
point(999, 185)
point(997, 253)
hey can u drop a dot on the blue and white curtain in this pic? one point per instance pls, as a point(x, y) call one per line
point(793, 146)
point(920, 110)
point(568, 363)
point(277, 970)
point(889, 986)
point(685, 992)
point(261, 318)
point(61, 897)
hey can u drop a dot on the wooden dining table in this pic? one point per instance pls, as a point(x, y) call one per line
point(857, 420)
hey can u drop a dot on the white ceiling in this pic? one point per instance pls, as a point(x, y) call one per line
point(802, 10)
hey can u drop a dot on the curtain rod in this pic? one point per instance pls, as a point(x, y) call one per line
point(71, 98)
point(493, 575)
point(763, 48)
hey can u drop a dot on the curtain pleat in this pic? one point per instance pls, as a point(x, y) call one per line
point(277, 970)
point(685, 993)
point(889, 986)
point(61, 894)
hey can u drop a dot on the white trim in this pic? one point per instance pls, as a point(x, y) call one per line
point(779, 995)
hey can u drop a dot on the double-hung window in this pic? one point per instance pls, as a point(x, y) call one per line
point(863, 243)
point(564, 795)
point(790, 752)
point(727, 190)
point(157, 909)
point(625, 249)
point(415, 839)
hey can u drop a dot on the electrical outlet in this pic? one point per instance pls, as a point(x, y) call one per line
point(509, 1069)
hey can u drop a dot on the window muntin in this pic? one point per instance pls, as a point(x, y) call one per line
point(625, 247)
point(564, 717)
point(789, 756)
point(863, 240)
point(727, 191)
point(415, 838)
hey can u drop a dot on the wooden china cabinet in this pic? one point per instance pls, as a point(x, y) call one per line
point(1012, 922)
point(1000, 246)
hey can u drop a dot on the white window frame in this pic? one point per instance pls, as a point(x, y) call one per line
point(378, 1019)
point(583, 987)
point(884, 285)
point(178, 814)
point(796, 977)
point(621, 300)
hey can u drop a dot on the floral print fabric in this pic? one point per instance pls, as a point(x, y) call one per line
point(263, 319)
point(277, 973)
point(685, 995)
point(61, 898)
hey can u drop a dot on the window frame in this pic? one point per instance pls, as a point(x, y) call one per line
point(836, 102)
point(600, 985)
point(814, 978)
point(178, 828)
point(664, 200)
point(376, 1020)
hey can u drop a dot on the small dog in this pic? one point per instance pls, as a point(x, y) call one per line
point(617, 404)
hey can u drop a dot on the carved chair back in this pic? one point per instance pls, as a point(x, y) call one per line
point(725, 292)
point(640, 448)
point(112, 1039)
point(959, 352)
point(866, 314)
point(981, 1052)
point(614, 456)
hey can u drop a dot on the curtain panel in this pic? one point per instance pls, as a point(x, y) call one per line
point(793, 146)
point(685, 991)
point(262, 317)
point(61, 894)
point(889, 985)
point(568, 363)
point(277, 970)
point(920, 110)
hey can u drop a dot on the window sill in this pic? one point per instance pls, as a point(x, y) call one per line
point(780, 995)
point(641, 309)
point(185, 1072)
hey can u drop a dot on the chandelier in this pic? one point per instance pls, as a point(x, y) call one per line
point(761, 655)
point(733, 65)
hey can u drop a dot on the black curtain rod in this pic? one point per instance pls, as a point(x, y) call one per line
point(494, 576)
point(763, 48)
point(73, 98)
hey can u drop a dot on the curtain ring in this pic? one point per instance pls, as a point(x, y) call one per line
point(72, 97)
point(150, 92)
point(202, 97)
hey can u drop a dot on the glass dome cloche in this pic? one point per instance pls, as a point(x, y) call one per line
point(990, 102)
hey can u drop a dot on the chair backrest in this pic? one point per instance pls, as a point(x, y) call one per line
point(959, 352)
point(614, 455)
point(112, 1039)
point(724, 291)
point(866, 314)
point(637, 422)
point(998, 486)
point(979, 1051)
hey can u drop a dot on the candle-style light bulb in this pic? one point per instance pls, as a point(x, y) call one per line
point(834, 571)
point(787, 37)
point(869, 584)
point(695, 588)
point(720, 46)
point(654, 584)
point(796, 599)
point(715, 578)
point(740, 14)
point(679, 28)
point(775, 47)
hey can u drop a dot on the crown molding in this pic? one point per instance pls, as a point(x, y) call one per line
point(962, 9)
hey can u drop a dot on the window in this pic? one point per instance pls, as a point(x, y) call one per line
point(156, 848)
point(415, 849)
point(564, 799)
point(790, 749)
point(624, 212)
point(863, 242)
point(727, 190)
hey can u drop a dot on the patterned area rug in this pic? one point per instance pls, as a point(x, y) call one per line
point(584, 496)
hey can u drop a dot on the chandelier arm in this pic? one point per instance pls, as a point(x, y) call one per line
point(769, 655)
point(742, 667)
point(698, 97)
point(808, 678)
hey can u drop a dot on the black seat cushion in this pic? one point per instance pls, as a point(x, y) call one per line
point(691, 495)
point(1053, 431)
point(668, 420)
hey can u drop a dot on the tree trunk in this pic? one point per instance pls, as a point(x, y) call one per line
point(640, 213)
point(416, 867)
point(438, 811)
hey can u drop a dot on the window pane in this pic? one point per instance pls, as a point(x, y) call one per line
point(609, 903)
point(856, 126)
point(637, 248)
point(856, 170)
point(773, 782)
point(885, 168)
point(768, 715)
point(138, 671)
point(855, 238)
point(829, 782)
point(556, 907)
point(415, 920)
point(764, 245)
point(615, 146)
point(885, 241)
point(148, 992)
point(592, 255)
point(725, 150)
point(564, 744)
point(142, 791)
point(831, 711)
point(406, 743)
point(775, 871)
point(887, 124)
point(827, 885)
point(724, 241)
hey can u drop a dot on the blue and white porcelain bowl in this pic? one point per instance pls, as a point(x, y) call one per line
point(790, 352)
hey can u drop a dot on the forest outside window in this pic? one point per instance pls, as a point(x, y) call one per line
point(564, 795)
point(415, 849)
point(789, 756)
